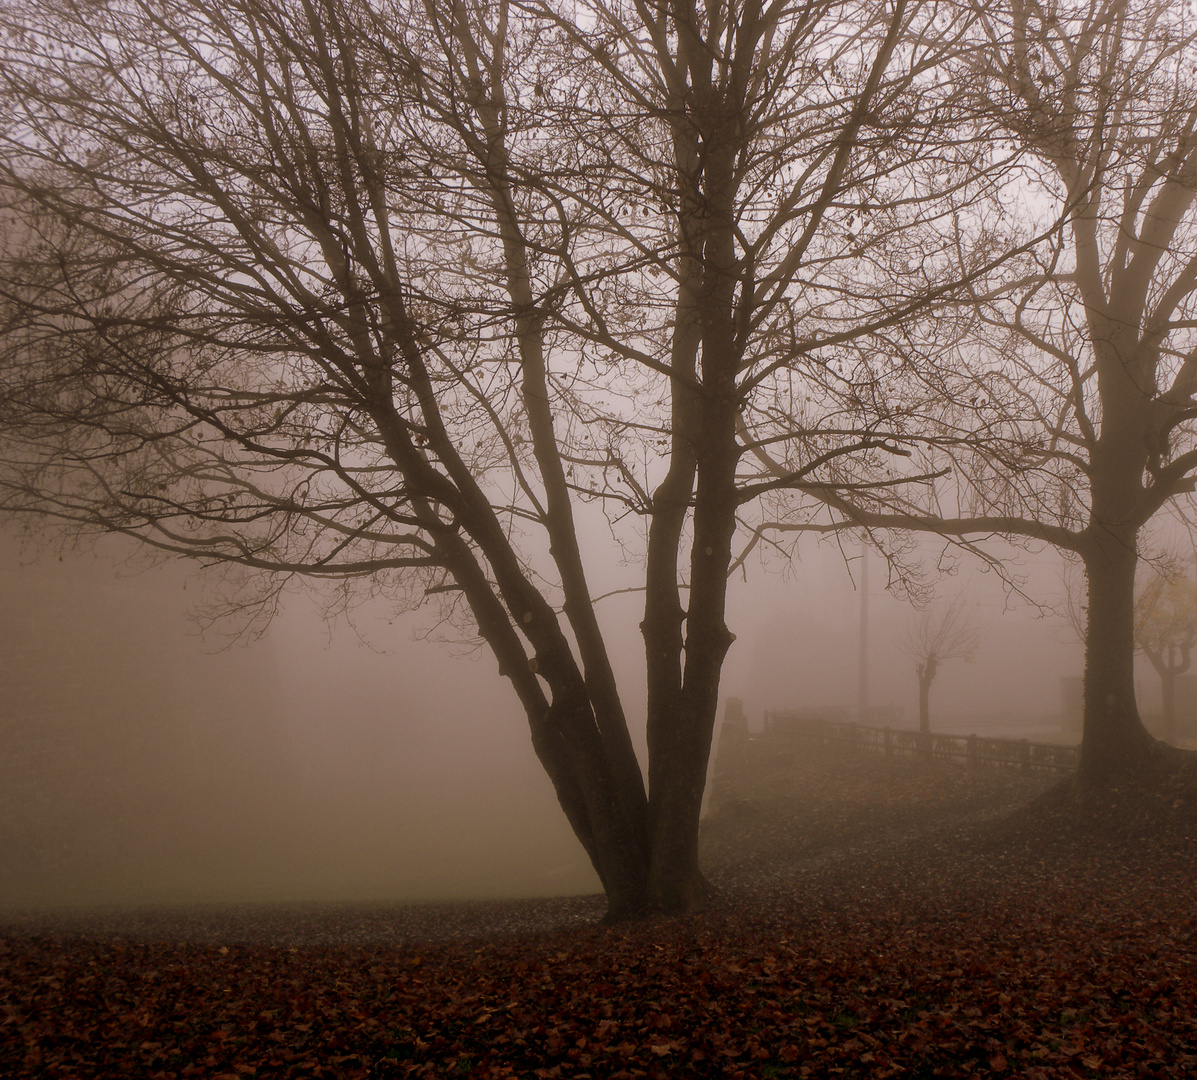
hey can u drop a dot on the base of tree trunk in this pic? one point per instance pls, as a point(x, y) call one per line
point(1157, 787)
point(681, 900)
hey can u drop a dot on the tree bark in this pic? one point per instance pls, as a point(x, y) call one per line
point(684, 671)
point(1115, 745)
point(681, 748)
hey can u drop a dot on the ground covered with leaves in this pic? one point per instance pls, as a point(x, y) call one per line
point(876, 918)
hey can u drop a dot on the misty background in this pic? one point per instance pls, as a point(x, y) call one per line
point(142, 762)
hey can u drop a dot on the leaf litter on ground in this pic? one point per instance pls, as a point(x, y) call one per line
point(874, 918)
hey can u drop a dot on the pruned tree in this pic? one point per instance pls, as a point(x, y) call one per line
point(939, 633)
point(1061, 398)
point(1166, 633)
point(396, 294)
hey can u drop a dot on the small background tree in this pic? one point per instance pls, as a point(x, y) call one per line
point(938, 634)
point(1166, 632)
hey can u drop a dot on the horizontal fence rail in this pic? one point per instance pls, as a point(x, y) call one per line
point(973, 749)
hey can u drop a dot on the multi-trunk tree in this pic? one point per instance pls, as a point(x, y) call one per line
point(381, 292)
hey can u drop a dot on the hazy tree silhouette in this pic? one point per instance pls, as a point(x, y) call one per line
point(1166, 632)
point(940, 633)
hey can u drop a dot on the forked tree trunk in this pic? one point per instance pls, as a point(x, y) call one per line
point(1168, 666)
point(618, 845)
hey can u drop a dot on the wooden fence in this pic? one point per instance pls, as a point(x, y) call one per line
point(973, 749)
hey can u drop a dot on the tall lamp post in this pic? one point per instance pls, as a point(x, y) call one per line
point(863, 660)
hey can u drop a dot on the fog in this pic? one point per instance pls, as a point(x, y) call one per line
point(138, 765)
point(142, 762)
point(803, 643)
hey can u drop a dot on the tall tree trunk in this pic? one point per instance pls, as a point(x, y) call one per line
point(1115, 742)
point(664, 615)
point(926, 673)
point(685, 670)
point(682, 746)
point(924, 704)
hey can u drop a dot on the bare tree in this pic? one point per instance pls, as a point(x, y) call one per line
point(1107, 105)
point(939, 633)
point(398, 295)
point(1166, 633)
point(1061, 398)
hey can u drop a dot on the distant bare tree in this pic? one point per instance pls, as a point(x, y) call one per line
point(940, 633)
point(1166, 633)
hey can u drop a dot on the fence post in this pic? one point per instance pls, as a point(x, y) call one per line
point(1019, 753)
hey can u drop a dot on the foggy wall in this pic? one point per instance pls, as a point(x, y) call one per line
point(799, 643)
point(138, 764)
